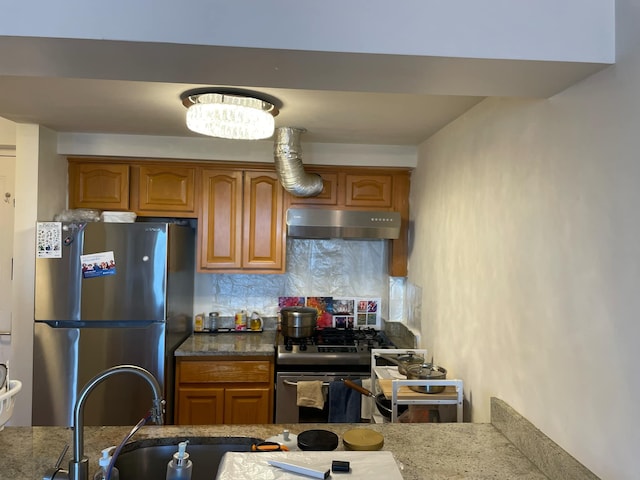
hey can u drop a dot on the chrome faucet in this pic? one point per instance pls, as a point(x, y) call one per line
point(79, 464)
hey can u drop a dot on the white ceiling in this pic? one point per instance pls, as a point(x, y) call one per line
point(94, 86)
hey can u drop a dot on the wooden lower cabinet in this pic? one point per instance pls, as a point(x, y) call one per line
point(200, 406)
point(211, 391)
point(246, 405)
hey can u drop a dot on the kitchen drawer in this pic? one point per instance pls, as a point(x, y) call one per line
point(225, 371)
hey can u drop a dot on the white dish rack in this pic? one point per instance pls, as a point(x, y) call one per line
point(8, 400)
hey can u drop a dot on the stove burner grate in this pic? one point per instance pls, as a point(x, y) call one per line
point(337, 340)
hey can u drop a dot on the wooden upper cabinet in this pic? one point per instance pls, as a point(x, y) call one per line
point(399, 248)
point(220, 220)
point(327, 197)
point(101, 186)
point(151, 189)
point(350, 188)
point(368, 190)
point(168, 189)
point(263, 235)
point(241, 222)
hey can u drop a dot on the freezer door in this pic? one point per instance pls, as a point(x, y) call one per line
point(65, 359)
point(58, 280)
point(134, 290)
point(137, 289)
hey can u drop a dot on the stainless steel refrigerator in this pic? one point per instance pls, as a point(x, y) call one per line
point(122, 293)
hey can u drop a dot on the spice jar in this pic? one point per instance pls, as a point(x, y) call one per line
point(255, 323)
point(212, 321)
point(241, 320)
point(198, 325)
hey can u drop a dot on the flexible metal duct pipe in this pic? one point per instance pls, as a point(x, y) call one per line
point(288, 158)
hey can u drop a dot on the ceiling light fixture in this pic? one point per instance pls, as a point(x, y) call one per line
point(233, 115)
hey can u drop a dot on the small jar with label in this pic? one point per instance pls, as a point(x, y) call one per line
point(241, 320)
point(255, 322)
point(198, 325)
point(212, 321)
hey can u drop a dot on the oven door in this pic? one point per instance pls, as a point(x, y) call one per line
point(287, 409)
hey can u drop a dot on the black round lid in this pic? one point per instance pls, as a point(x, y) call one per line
point(318, 440)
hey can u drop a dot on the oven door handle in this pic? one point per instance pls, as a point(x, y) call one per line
point(295, 384)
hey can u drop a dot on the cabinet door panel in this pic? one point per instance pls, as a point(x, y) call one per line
point(247, 406)
point(99, 185)
point(166, 189)
point(328, 196)
point(221, 220)
point(263, 216)
point(368, 190)
point(200, 406)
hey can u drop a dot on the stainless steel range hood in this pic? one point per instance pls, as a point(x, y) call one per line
point(354, 224)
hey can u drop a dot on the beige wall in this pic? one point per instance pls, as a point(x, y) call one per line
point(7, 134)
point(40, 191)
point(527, 247)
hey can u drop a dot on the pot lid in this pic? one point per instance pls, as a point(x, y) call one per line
point(318, 440)
point(362, 439)
point(427, 371)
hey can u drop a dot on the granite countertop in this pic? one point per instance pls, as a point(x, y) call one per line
point(433, 451)
point(229, 343)
point(260, 343)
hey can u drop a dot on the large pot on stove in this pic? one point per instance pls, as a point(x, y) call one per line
point(298, 322)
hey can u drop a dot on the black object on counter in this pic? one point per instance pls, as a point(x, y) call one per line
point(318, 440)
point(340, 466)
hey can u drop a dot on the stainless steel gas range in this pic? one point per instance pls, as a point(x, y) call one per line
point(330, 355)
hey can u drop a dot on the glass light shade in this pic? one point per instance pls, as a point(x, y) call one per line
point(233, 117)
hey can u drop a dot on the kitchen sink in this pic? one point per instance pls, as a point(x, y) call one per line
point(147, 459)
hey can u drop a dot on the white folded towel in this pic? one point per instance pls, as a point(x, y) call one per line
point(366, 407)
point(310, 394)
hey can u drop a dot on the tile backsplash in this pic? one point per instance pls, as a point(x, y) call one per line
point(330, 268)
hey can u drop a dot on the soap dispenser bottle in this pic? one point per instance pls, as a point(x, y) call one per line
point(104, 461)
point(180, 467)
